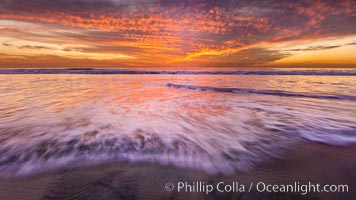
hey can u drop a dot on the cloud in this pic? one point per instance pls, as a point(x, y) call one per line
point(175, 29)
point(250, 57)
point(315, 48)
point(258, 56)
point(36, 47)
point(7, 44)
point(31, 47)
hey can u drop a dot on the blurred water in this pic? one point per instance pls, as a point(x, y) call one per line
point(52, 121)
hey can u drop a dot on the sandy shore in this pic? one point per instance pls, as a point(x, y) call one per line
point(306, 162)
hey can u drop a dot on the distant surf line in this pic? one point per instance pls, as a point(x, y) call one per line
point(182, 72)
point(264, 92)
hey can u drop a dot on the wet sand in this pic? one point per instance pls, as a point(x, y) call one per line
point(306, 162)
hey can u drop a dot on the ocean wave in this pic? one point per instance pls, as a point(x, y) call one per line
point(50, 123)
point(265, 92)
point(139, 147)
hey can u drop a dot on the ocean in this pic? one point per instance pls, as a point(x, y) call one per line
point(218, 123)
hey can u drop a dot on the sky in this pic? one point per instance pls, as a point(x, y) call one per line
point(177, 34)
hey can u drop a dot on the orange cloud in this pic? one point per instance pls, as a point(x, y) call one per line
point(167, 32)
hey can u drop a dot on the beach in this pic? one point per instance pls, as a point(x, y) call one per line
point(163, 99)
point(167, 99)
point(178, 136)
point(317, 163)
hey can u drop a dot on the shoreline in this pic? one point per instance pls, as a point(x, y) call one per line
point(305, 162)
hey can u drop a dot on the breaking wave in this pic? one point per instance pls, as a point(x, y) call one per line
point(265, 92)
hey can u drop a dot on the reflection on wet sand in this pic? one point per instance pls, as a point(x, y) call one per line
point(138, 182)
point(307, 162)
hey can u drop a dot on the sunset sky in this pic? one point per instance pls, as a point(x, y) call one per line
point(177, 34)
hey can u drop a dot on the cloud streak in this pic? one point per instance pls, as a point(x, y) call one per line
point(315, 48)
